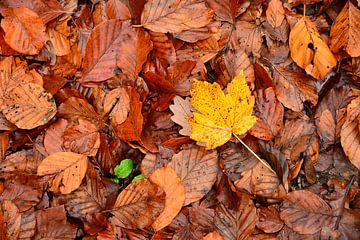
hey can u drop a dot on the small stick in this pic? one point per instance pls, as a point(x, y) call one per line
point(255, 155)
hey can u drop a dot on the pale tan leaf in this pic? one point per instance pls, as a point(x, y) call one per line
point(305, 212)
point(182, 110)
point(116, 9)
point(309, 50)
point(139, 204)
point(82, 138)
point(294, 88)
point(68, 167)
point(275, 13)
point(175, 16)
point(167, 179)
point(28, 106)
point(118, 102)
point(12, 219)
point(24, 30)
point(345, 32)
point(197, 170)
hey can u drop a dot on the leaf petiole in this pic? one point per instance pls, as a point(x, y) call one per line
point(255, 155)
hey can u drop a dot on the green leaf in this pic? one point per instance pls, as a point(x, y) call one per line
point(138, 177)
point(115, 179)
point(124, 169)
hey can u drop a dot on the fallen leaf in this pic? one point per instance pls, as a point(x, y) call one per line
point(275, 13)
point(116, 9)
point(305, 212)
point(237, 223)
point(270, 114)
point(269, 219)
point(28, 106)
point(29, 36)
point(68, 167)
point(344, 31)
point(117, 105)
point(182, 111)
point(197, 170)
point(249, 37)
point(308, 49)
point(220, 115)
point(53, 140)
point(139, 204)
point(12, 219)
point(58, 36)
point(167, 179)
point(213, 236)
point(175, 16)
point(226, 10)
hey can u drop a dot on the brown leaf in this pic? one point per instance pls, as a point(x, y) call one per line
point(294, 88)
point(269, 219)
point(12, 219)
point(345, 32)
point(226, 10)
point(117, 105)
point(4, 144)
point(275, 13)
point(213, 236)
point(82, 138)
point(197, 170)
point(167, 179)
point(305, 212)
point(58, 37)
point(350, 133)
point(131, 129)
point(124, 47)
point(29, 106)
point(182, 110)
point(30, 35)
point(308, 49)
point(68, 167)
point(18, 161)
point(53, 140)
point(174, 16)
point(139, 204)
point(196, 34)
point(75, 108)
point(249, 37)
point(116, 9)
point(237, 223)
point(260, 181)
point(164, 49)
point(51, 224)
point(270, 114)
point(46, 9)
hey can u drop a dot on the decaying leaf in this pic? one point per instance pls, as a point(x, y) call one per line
point(29, 36)
point(28, 106)
point(175, 16)
point(275, 13)
point(219, 115)
point(139, 204)
point(69, 169)
point(309, 50)
point(197, 170)
point(167, 179)
point(345, 31)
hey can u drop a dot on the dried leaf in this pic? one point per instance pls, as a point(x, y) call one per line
point(139, 204)
point(59, 40)
point(226, 10)
point(117, 105)
point(269, 219)
point(308, 49)
point(182, 111)
point(116, 9)
point(197, 170)
point(174, 16)
point(68, 167)
point(12, 219)
point(249, 37)
point(275, 13)
point(305, 212)
point(220, 115)
point(167, 179)
point(53, 140)
point(29, 36)
point(28, 106)
point(345, 32)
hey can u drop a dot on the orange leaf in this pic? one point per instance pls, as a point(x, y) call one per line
point(53, 141)
point(29, 34)
point(116, 9)
point(118, 102)
point(275, 13)
point(167, 179)
point(139, 204)
point(174, 16)
point(197, 170)
point(68, 167)
point(29, 106)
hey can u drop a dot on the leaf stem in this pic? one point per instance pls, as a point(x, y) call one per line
point(255, 155)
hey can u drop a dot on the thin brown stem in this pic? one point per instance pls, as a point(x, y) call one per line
point(255, 155)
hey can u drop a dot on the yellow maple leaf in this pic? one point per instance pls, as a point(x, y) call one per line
point(220, 115)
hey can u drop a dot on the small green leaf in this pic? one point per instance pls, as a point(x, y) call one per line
point(138, 177)
point(124, 169)
point(115, 179)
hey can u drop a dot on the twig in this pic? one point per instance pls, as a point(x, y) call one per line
point(255, 155)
